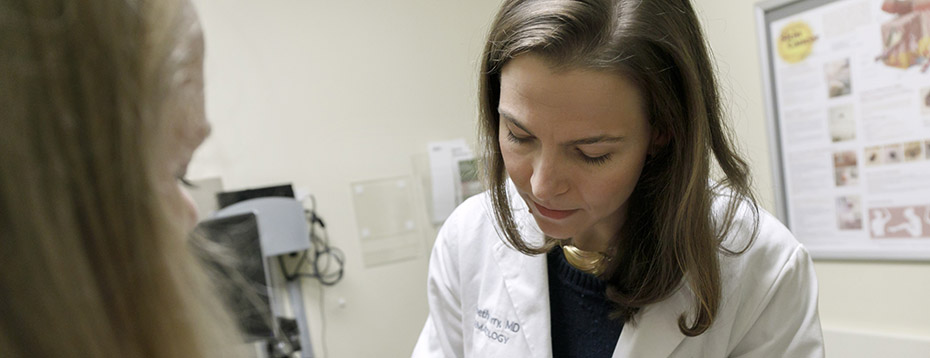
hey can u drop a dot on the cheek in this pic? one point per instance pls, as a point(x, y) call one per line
point(609, 190)
point(515, 164)
point(615, 192)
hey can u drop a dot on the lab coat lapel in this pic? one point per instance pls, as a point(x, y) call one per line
point(655, 332)
point(527, 281)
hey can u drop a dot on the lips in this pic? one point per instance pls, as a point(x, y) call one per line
point(553, 214)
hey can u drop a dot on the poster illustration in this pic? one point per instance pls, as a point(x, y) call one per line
point(849, 97)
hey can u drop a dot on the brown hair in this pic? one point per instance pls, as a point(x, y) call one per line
point(670, 234)
point(91, 262)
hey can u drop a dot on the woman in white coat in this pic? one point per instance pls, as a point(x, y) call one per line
point(601, 234)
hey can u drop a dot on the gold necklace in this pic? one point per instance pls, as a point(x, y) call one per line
point(591, 262)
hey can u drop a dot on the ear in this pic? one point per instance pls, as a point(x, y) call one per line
point(658, 141)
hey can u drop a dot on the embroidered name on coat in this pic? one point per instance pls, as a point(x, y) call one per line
point(495, 328)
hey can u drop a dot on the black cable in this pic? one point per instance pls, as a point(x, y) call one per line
point(322, 253)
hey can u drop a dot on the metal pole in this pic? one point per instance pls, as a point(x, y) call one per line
point(297, 306)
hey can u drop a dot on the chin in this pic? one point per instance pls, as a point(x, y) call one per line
point(553, 230)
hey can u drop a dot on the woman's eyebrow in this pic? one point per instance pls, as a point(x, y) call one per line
point(510, 118)
point(583, 141)
point(595, 139)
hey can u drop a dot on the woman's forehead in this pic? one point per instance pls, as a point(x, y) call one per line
point(531, 89)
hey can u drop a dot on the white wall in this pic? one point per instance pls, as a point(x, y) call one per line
point(880, 298)
point(326, 93)
point(295, 88)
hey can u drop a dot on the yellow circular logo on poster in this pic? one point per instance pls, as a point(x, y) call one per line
point(795, 42)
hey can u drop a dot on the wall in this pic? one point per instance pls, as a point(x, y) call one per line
point(327, 93)
point(878, 298)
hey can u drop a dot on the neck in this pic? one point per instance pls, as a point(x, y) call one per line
point(591, 244)
point(598, 237)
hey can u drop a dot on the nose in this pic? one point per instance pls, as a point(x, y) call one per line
point(549, 179)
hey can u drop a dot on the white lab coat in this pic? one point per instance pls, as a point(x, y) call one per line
point(489, 300)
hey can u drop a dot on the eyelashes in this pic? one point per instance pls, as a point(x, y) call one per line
point(599, 160)
point(516, 139)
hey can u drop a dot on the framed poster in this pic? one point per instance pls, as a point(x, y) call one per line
point(847, 93)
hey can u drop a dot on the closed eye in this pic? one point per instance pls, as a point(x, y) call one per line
point(598, 160)
point(519, 140)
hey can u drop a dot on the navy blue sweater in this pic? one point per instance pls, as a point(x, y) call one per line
point(579, 308)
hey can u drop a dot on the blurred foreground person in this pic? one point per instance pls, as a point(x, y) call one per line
point(101, 108)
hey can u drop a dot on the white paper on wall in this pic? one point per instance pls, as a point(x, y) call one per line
point(444, 158)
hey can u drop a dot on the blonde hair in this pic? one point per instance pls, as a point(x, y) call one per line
point(91, 262)
point(670, 234)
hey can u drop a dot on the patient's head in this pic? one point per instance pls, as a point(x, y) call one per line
point(102, 108)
